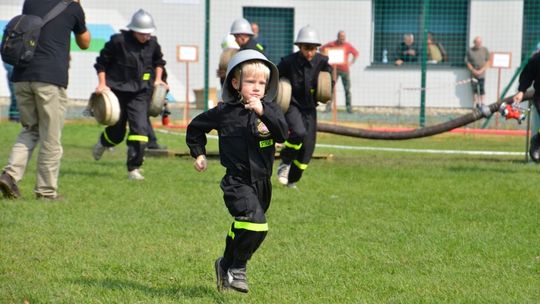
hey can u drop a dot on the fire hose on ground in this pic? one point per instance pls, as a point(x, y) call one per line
point(476, 114)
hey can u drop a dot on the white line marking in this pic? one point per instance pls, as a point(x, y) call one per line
point(362, 148)
point(432, 151)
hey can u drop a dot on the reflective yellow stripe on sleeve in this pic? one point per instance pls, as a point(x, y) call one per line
point(146, 76)
point(292, 146)
point(138, 138)
point(300, 165)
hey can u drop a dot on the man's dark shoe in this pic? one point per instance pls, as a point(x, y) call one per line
point(8, 186)
point(237, 278)
point(221, 276)
point(44, 197)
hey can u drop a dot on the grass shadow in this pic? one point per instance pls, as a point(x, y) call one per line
point(173, 292)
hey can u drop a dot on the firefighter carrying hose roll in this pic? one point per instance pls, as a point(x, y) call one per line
point(302, 70)
point(129, 65)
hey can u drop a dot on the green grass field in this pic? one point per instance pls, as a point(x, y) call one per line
point(363, 227)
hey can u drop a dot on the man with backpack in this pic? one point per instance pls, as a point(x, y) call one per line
point(40, 89)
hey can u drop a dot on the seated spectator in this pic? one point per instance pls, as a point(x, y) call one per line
point(436, 52)
point(406, 51)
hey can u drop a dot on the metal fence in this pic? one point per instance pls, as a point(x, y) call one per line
point(434, 80)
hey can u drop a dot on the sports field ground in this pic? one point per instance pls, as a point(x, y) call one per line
point(418, 221)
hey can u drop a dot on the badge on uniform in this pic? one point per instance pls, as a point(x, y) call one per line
point(262, 129)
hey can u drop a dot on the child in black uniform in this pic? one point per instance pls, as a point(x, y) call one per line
point(249, 123)
point(130, 64)
point(302, 70)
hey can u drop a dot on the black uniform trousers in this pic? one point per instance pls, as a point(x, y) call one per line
point(247, 203)
point(133, 110)
point(300, 145)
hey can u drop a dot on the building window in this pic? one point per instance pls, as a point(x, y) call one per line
point(276, 29)
point(531, 28)
point(446, 20)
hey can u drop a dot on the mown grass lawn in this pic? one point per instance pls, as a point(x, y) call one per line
point(362, 227)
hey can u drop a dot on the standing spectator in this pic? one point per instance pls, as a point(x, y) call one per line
point(302, 70)
point(531, 76)
point(257, 35)
point(13, 110)
point(243, 35)
point(249, 123)
point(406, 51)
point(130, 64)
point(343, 69)
point(436, 52)
point(40, 89)
point(477, 61)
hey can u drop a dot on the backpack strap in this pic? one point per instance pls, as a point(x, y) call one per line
point(60, 7)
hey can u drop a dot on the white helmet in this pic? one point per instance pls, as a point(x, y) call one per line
point(241, 26)
point(307, 35)
point(228, 42)
point(142, 22)
point(229, 94)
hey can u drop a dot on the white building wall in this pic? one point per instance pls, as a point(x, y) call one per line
point(182, 23)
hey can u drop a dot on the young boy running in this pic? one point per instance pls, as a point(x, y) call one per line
point(249, 123)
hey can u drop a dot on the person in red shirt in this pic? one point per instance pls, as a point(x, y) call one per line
point(343, 69)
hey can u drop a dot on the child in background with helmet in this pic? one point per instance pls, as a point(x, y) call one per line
point(244, 36)
point(249, 123)
point(130, 65)
point(302, 69)
point(229, 48)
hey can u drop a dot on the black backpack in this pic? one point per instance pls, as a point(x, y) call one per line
point(21, 35)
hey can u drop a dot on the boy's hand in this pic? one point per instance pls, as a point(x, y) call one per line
point(102, 88)
point(161, 82)
point(254, 104)
point(200, 163)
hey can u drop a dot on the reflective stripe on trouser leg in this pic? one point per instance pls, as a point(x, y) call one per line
point(108, 141)
point(243, 239)
point(137, 117)
point(247, 203)
point(297, 133)
point(305, 154)
point(135, 155)
point(292, 145)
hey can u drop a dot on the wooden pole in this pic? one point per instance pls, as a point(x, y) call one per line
point(498, 96)
point(186, 106)
point(334, 101)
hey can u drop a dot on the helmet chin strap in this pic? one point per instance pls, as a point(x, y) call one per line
point(239, 90)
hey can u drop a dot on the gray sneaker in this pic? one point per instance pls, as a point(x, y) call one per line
point(135, 174)
point(221, 276)
point(237, 279)
point(283, 173)
point(98, 150)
